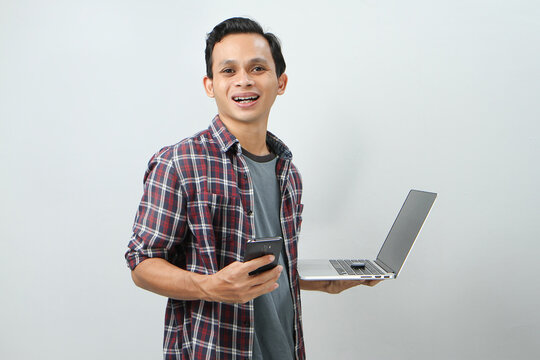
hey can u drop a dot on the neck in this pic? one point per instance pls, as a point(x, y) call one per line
point(251, 135)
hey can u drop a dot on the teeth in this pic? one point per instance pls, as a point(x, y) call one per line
point(245, 99)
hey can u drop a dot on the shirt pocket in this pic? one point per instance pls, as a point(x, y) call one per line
point(215, 222)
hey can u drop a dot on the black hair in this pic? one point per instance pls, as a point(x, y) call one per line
point(238, 25)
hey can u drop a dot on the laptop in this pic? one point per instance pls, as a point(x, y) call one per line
point(392, 254)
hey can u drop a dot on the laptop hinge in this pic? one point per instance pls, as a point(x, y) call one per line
point(383, 266)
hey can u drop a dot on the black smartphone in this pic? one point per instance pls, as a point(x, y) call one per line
point(261, 247)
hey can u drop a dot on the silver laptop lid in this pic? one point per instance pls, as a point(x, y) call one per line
point(405, 229)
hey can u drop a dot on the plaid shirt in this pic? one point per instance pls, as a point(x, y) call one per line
point(196, 213)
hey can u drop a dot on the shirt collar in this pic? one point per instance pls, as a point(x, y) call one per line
point(278, 147)
point(226, 140)
point(219, 132)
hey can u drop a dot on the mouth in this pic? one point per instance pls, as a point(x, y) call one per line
point(245, 99)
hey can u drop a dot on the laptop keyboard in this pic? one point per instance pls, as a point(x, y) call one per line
point(343, 267)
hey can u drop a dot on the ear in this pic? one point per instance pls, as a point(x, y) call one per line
point(208, 86)
point(282, 83)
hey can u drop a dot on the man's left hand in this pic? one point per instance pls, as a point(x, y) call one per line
point(335, 286)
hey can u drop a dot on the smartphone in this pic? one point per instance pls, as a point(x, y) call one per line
point(261, 247)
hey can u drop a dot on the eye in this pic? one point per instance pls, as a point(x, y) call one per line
point(227, 71)
point(259, 68)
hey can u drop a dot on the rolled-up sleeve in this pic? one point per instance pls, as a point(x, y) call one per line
point(160, 222)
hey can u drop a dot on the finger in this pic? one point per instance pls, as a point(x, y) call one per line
point(271, 275)
point(263, 283)
point(351, 283)
point(263, 288)
point(258, 262)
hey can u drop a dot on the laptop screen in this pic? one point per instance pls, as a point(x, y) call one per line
point(406, 227)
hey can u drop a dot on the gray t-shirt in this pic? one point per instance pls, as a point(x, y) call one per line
point(274, 312)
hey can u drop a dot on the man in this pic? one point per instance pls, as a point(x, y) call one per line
point(206, 196)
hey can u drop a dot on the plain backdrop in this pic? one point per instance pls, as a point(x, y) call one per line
point(383, 96)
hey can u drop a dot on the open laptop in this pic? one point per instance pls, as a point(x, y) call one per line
point(392, 255)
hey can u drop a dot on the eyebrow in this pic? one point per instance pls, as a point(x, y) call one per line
point(257, 60)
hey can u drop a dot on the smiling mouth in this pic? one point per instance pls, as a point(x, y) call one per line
point(245, 99)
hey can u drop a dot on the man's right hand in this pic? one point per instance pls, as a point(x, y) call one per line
point(233, 284)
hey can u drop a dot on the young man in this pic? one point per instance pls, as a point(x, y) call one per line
point(206, 196)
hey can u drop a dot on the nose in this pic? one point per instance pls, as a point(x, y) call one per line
point(244, 79)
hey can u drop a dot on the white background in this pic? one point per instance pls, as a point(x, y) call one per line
point(383, 96)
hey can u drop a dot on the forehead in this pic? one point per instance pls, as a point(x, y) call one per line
point(241, 48)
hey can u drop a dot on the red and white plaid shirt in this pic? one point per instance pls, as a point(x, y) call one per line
point(196, 212)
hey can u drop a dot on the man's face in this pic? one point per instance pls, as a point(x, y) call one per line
point(245, 83)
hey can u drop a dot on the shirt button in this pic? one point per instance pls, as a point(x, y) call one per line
point(249, 212)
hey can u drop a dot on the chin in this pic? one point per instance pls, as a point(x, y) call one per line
point(245, 118)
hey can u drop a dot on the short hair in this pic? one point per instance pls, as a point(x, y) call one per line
point(239, 25)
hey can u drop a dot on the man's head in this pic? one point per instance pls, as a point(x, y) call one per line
point(244, 77)
point(240, 25)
